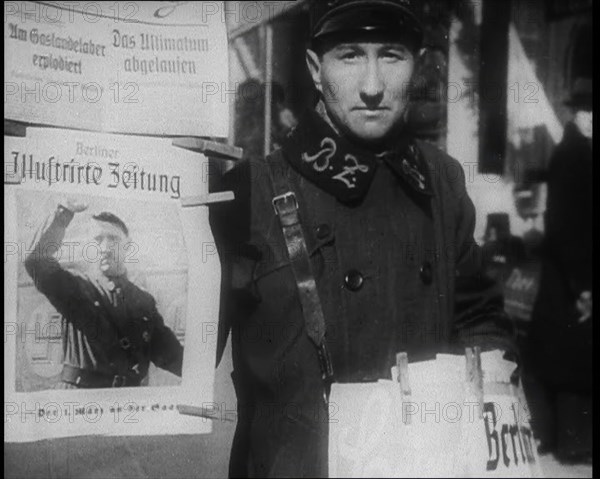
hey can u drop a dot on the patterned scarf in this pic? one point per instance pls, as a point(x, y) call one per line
point(344, 169)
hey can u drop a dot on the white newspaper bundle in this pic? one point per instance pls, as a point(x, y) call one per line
point(433, 423)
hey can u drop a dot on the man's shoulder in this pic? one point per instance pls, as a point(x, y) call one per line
point(444, 169)
point(232, 222)
point(434, 154)
point(245, 179)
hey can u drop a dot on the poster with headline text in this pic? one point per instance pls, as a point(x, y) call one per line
point(111, 287)
point(150, 68)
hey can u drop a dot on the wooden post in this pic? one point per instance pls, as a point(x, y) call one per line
point(475, 375)
point(15, 128)
point(200, 412)
point(405, 391)
point(220, 197)
point(268, 87)
point(211, 149)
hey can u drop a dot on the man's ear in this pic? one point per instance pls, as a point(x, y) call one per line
point(314, 67)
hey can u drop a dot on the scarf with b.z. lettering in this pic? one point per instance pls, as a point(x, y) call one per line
point(344, 169)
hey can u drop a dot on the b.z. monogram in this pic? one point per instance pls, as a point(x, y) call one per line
point(328, 150)
point(321, 161)
point(351, 170)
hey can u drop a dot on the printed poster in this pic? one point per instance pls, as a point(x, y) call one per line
point(153, 68)
point(438, 430)
point(111, 287)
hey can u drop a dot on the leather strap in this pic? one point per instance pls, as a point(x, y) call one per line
point(285, 204)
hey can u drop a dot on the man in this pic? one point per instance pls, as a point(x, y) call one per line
point(111, 329)
point(352, 243)
point(562, 318)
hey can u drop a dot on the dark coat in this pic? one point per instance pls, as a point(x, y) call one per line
point(422, 293)
point(564, 347)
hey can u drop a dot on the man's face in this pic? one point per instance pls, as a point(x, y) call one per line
point(111, 242)
point(364, 84)
point(584, 121)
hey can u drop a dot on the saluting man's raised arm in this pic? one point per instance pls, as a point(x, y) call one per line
point(41, 261)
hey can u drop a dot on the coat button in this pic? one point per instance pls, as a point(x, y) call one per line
point(426, 273)
point(323, 231)
point(354, 280)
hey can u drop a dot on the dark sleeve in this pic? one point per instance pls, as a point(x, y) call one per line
point(166, 352)
point(479, 317)
point(230, 224)
point(50, 279)
point(231, 227)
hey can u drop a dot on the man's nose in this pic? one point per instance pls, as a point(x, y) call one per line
point(371, 92)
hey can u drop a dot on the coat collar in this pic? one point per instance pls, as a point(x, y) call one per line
point(346, 170)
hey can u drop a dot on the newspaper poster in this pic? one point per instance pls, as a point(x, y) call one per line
point(111, 287)
point(439, 429)
point(153, 68)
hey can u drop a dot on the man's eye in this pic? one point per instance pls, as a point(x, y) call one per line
point(349, 55)
point(394, 56)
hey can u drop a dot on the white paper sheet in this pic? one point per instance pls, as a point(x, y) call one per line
point(173, 258)
point(155, 68)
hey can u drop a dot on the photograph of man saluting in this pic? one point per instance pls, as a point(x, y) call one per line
point(111, 328)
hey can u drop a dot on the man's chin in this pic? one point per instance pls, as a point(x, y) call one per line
point(370, 131)
point(370, 135)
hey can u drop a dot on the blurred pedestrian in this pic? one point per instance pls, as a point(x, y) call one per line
point(562, 319)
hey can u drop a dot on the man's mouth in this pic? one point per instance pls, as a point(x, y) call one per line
point(373, 109)
point(369, 112)
point(372, 113)
point(105, 261)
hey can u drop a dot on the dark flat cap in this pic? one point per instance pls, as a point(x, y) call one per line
point(347, 16)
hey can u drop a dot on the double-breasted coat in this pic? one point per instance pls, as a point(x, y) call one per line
point(396, 269)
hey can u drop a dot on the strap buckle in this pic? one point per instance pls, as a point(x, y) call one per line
point(289, 196)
